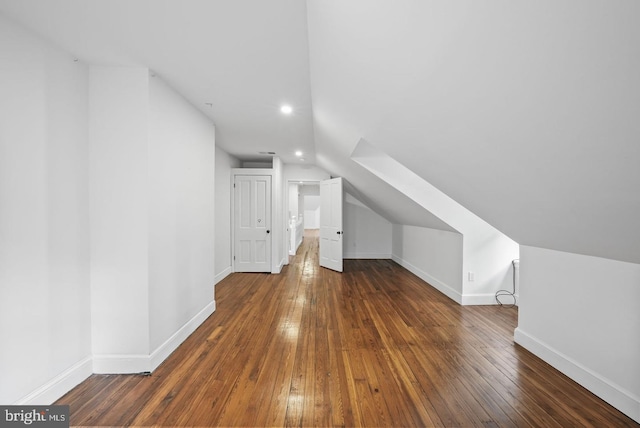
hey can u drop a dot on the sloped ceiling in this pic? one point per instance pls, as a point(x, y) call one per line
point(524, 112)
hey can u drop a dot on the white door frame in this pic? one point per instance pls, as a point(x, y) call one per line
point(289, 182)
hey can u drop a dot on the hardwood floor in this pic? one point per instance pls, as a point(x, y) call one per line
point(374, 346)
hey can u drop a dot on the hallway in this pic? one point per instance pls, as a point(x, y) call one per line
point(374, 346)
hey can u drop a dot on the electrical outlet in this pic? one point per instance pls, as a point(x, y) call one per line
point(472, 277)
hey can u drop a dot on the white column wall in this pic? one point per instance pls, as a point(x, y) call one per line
point(119, 105)
point(181, 211)
point(280, 252)
point(223, 262)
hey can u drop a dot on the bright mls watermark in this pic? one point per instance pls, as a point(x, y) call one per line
point(34, 416)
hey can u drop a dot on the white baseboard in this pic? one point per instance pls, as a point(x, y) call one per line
point(367, 256)
point(434, 282)
point(59, 385)
point(486, 299)
point(279, 267)
point(222, 275)
point(619, 398)
point(479, 299)
point(130, 363)
point(121, 363)
point(171, 344)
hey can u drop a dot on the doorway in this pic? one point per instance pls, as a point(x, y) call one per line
point(317, 205)
point(252, 223)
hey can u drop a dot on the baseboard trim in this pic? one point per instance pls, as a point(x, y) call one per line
point(479, 299)
point(222, 275)
point(59, 385)
point(618, 397)
point(138, 363)
point(367, 256)
point(121, 363)
point(279, 267)
point(171, 344)
point(431, 280)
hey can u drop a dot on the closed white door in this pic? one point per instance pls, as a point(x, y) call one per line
point(252, 220)
point(331, 224)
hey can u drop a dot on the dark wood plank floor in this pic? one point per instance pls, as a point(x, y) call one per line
point(374, 346)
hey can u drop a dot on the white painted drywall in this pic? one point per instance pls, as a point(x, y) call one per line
point(293, 201)
point(181, 192)
point(487, 253)
point(309, 208)
point(279, 220)
point(306, 173)
point(540, 140)
point(310, 189)
point(366, 234)
point(44, 213)
point(433, 255)
point(223, 262)
point(119, 177)
point(312, 218)
point(580, 314)
point(312, 211)
point(152, 189)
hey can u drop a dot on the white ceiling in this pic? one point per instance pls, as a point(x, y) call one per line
point(245, 58)
point(526, 113)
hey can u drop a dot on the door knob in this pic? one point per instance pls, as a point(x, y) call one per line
point(268, 231)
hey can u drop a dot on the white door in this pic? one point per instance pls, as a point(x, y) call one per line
point(252, 219)
point(331, 224)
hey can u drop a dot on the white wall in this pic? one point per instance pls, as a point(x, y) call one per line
point(294, 198)
point(44, 214)
point(181, 212)
point(223, 259)
point(310, 208)
point(487, 253)
point(311, 211)
point(433, 255)
point(279, 221)
point(581, 315)
point(119, 102)
point(366, 234)
point(152, 190)
point(295, 172)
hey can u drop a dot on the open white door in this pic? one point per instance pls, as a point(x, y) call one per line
point(331, 224)
point(252, 211)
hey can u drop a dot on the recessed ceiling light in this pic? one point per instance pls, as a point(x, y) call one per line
point(298, 153)
point(286, 109)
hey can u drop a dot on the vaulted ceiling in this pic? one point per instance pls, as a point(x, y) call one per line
point(526, 113)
